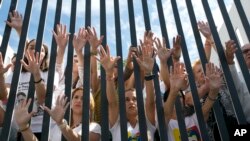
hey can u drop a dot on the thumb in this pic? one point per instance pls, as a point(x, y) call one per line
point(47, 110)
point(7, 67)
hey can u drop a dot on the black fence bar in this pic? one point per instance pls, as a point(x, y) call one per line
point(158, 97)
point(39, 40)
point(104, 102)
point(86, 81)
point(216, 108)
point(68, 69)
point(140, 102)
point(243, 17)
point(51, 73)
point(233, 36)
point(236, 103)
point(16, 74)
point(121, 89)
point(192, 84)
point(7, 30)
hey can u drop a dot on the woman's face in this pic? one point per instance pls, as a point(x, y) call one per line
point(31, 49)
point(76, 103)
point(198, 74)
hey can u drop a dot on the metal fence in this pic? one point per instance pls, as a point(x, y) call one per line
point(103, 31)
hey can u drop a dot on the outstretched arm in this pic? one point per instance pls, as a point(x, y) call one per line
point(214, 78)
point(57, 114)
point(22, 117)
point(34, 68)
point(146, 64)
point(206, 32)
point(94, 42)
point(178, 81)
point(108, 63)
point(163, 54)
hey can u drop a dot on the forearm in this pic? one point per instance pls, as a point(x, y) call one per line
point(69, 134)
point(150, 101)
point(209, 104)
point(164, 73)
point(112, 100)
point(94, 75)
point(40, 88)
point(3, 92)
point(127, 73)
point(60, 54)
point(28, 135)
point(169, 104)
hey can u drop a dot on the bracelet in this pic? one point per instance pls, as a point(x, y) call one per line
point(63, 125)
point(25, 128)
point(212, 99)
point(149, 77)
point(38, 81)
point(93, 53)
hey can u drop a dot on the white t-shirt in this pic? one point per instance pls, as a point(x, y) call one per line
point(133, 133)
point(55, 132)
point(22, 92)
point(192, 126)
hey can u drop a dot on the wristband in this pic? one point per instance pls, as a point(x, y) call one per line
point(149, 77)
point(36, 82)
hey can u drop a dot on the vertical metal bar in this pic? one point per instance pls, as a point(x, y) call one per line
point(216, 108)
point(86, 81)
point(140, 103)
point(121, 89)
point(236, 103)
point(190, 74)
point(16, 74)
point(104, 102)
point(7, 30)
point(158, 100)
point(243, 17)
point(39, 41)
point(233, 36)
point(50, 84)
point(69, 66)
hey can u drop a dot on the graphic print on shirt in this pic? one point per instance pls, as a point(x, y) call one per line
point(134, 136)
point(192, 132)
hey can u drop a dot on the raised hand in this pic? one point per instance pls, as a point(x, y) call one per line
point(107, 62)
point(16, 21)
point(92, 38)
point(34, 63)
point(204, 29)
point(163, 52)
point(146, 63)
point(61, 36)
point(148, 39)
point(214, 76)
point(57, 113)
point(177, 48)
point(80, 40)
point(178, 77)
point(230, 50)
point(2, 68)
point(21, 114)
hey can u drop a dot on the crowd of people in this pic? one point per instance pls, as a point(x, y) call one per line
point(173, 81)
